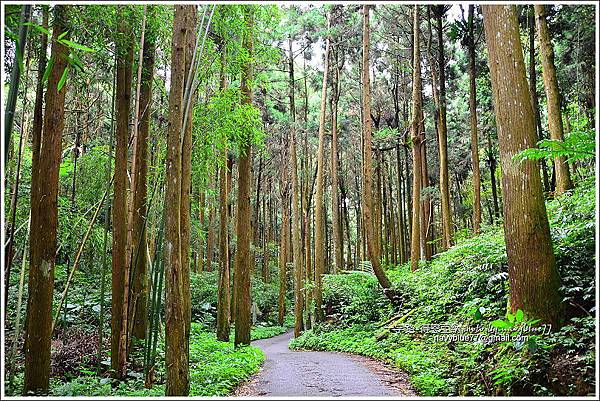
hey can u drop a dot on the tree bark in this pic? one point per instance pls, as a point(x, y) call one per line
point(201, 242)
point(401, 206)
point(443, 137)
point(139, 290)
point(283, 248)
point(319, 190)
point(335, 207)
point(534, 96)
point(367, 187)
point(473, 119)
point(176, 274)
point(186, 174)
point(224, 297)
point(533, 276)
point(44, 220)
point(242, 257)
point(124, 54)
point(416, 138)
point(555, 124)
point(296, 218)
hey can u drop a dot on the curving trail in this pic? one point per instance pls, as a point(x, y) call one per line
point(314, 373)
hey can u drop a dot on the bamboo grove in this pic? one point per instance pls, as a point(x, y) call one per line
point(146, 144)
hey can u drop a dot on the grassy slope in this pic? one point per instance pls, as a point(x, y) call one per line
point(468, 284)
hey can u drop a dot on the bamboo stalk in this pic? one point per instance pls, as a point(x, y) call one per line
point(13, 350)
point(78, 256)
point(106, 227)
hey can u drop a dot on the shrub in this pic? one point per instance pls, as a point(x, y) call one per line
point(468, 284)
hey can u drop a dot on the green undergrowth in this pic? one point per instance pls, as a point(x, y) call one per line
point(263, 332)
point(216, 368)
point(468, 285)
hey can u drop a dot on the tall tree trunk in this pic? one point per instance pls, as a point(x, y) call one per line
point(44, 220)
point(377, 201)
point(265, 240)
point(416, 138)
point(124, 54)
point(427, 201)
point(534, 96)
point(176, 273)
point(474, 136)
point(186, 175)
point(283, 248)
point(533, 276)
point(36, 133)
point(555, 123)
point(139, 290)
point(309, 266)
point(296, 217)
point(224, 297)
point(367, 187)
point(443, 137)
point(242, 257)
point(319, 202)
point(210, 235)
point(401, 206)
point(335, 207)
point(201, 242)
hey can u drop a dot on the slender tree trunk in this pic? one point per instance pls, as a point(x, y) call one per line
point(416, 137)
point(283, 249)
point(210, 236)
point(9, 248)
point(335, 207)
point(265, 241)
point(44, 220)
point(555, 124)
point(533, 276)
point(442, 137)
point(319, 194)
point(296, 218)
point(140, 213)
point(186, 176)
point(224, 296)
point(367, 193)
point(534, 96)
point(377, 202)
point(427, 202)
point(202, 244)
point(242, 257)
point(492, 166)
point(402, 228)
point(124, 54)
point(176, 314)
point(474, 136)
point(309, 267)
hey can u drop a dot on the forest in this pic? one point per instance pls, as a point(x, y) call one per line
point(299, 199)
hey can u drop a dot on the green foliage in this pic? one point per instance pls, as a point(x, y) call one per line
point(216, 368)
point(354, 297)
point(579, 144)
point(262, 332)
point(204, 287)
point(468, 285)
point(572, 219)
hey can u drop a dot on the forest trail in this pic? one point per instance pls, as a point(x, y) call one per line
point(312, 373)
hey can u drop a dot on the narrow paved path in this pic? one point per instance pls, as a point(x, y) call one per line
point(313, 373)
